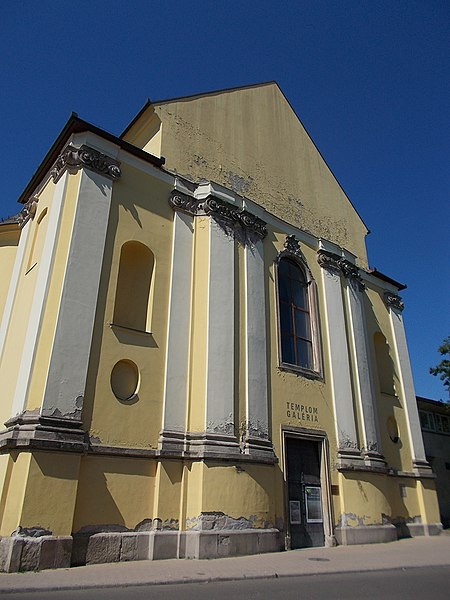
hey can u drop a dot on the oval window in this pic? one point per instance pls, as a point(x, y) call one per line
point(125, 380)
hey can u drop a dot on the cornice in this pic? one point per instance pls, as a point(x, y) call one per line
point(229, 216)
point(28, 211)
point(73, 159)
point(334, 262)
point(221, 210)
point(184, 203)
point(393, 300)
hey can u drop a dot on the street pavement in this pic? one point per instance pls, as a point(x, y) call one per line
point(403, 554)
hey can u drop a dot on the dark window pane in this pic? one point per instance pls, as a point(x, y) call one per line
point(283, 268)
point(299, 294)
point(304, 354)
point(283, 287)
point(286, 317)
point(287, 349)
point(297, 273)
point(302, 327)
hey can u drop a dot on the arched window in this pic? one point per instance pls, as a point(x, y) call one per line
point(296, 331)
point(134, 291)
point(385, 364)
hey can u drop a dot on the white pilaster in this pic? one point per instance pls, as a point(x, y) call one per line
point(364, 385)
point(257, 425)
point(69, 360)
point(407, 391)
point(220, 341)
point(178, 335)
point(339, 366)
point(39, 297)
point(13, 284)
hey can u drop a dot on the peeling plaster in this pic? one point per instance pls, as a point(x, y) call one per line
point(36, 531)
point(226, 427)
point(218, 521)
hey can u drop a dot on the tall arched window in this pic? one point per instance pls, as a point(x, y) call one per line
point(132, 307)
point(296, 334)
point(385, 364)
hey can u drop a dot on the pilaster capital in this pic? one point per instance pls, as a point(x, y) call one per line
point(235, 217)
point(184, 203)
point(28, 211)
point(334, 262)
point(73, 159)
point(393, 300)
point(232, 218)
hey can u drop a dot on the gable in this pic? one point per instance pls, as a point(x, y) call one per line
point(250, 140)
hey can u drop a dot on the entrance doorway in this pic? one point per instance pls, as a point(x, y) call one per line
point(305, 511)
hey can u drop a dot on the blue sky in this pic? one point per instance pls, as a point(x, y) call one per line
point(370, 81)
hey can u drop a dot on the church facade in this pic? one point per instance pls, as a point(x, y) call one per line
point(195, 358)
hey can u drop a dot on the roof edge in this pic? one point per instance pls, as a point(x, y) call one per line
point(149, 102)
point(383, 277)
point(77, 125)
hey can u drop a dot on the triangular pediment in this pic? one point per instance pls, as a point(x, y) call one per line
point(250, 139)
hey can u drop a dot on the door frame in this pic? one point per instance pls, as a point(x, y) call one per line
point(315, 435)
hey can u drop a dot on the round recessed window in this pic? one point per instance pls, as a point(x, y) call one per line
point(125, 380)
point(392, 428)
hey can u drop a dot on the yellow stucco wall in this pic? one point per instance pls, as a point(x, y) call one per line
point(139, 212)
point(389, 406)
point(21, 312)
point(50, 313)
point(250, 140)
point(16, 478)
point(196, 418)
point(9, 240)
point(114, 491)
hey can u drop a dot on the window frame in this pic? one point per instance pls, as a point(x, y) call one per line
point(315, 371)
point(436, 422)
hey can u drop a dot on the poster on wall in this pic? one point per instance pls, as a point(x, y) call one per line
point(295, 514)
point(313, 503)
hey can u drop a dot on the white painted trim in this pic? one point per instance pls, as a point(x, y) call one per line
point(203, 190)
point(220, 341)
point(376, 283)
point(178, 330)
point(364, 385)
point(280, 225)
point(408, 394)
point(66, 380)
point(255, 341)
point(114, 151)
point(338, 360)
point(39, 298)
point(18, 262)
point(138, 163)
point(95, 141)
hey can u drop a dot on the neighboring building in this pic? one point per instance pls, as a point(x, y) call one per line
point(196, 360)
point(435, 422)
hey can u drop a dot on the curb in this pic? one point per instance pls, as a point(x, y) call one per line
point(212, 579)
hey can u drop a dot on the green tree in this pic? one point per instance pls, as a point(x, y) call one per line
point(442, 370)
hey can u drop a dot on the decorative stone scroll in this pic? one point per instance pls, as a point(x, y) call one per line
point(28, 211)
point(394, 300)
point(184, 203)
point(331, 261)
point(292, 245)
point(221, 210)
point(73, 158)
point(226, 214)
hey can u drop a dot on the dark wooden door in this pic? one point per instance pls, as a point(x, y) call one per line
point(305, 515)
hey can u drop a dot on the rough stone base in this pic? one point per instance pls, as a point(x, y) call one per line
point(406, 530)
point(369, 534)
point(159, 545)
point(221, 543)
point(18, 553)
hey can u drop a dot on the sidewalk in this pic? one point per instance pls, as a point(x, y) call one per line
point(415, 552)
